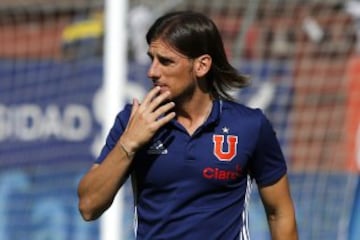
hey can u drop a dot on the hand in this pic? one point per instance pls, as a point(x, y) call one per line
point(146, 118)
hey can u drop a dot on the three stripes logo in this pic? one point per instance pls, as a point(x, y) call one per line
point(157, 148)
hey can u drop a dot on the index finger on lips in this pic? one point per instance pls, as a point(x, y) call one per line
point(158, 100)
point(150, 96)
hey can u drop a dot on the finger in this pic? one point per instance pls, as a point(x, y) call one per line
point(163, 109)
point(134, 108)
point(151, 95)
point(167, 118)
point(158, 101)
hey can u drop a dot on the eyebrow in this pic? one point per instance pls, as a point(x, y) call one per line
point(159, 56)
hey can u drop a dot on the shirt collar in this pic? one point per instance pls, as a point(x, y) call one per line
point(213, 118)
point(216, 111)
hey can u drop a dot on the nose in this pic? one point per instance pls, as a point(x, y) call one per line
point(153, 71)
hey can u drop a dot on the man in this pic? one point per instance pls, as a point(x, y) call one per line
point(190, 149)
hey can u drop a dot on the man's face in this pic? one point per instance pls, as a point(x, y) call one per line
point(171, 70)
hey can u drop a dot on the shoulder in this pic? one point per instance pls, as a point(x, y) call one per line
point(124, 114)
point(121, 119)
point(247, 119)
point(240, 110)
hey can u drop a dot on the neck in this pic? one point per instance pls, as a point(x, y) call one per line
point(194, 113)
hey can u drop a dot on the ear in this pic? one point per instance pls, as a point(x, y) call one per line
point(202, 65)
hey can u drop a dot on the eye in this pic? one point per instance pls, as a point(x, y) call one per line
point(165, 61)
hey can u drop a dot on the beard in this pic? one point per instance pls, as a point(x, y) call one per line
point(181, 96)
point(184, 96)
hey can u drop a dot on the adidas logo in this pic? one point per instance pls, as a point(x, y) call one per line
point(157, 148)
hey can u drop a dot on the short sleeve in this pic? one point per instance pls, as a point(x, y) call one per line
point(115, 132)
point(267, 165)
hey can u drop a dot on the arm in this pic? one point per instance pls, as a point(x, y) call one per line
point(279, 210)
point(100, 184)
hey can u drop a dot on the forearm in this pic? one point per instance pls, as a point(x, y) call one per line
point(280, 210)
point(283, 227)
point(99, 186)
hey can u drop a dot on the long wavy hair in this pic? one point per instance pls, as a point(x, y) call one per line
point(194, 34)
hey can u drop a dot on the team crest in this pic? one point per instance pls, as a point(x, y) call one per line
point(219, 152)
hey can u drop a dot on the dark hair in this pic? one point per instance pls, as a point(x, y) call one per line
point(193, 34)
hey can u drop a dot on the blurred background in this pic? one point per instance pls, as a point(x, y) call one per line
point(303, 59)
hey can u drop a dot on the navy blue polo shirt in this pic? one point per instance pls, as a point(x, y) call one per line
point(197, 186)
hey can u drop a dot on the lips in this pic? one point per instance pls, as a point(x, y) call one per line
point(157, 84)
point(162, 86)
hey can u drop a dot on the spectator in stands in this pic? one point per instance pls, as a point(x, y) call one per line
point(191, 150)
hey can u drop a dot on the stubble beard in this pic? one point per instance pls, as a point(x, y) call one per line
point(184, 97)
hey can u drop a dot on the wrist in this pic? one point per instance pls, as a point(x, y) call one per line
point(128, 152)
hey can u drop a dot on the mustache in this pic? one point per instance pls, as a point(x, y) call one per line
point(157, 83)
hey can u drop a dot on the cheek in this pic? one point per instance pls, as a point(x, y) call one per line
point(178, 79)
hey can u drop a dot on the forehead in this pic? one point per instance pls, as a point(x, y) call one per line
point(162, 48)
